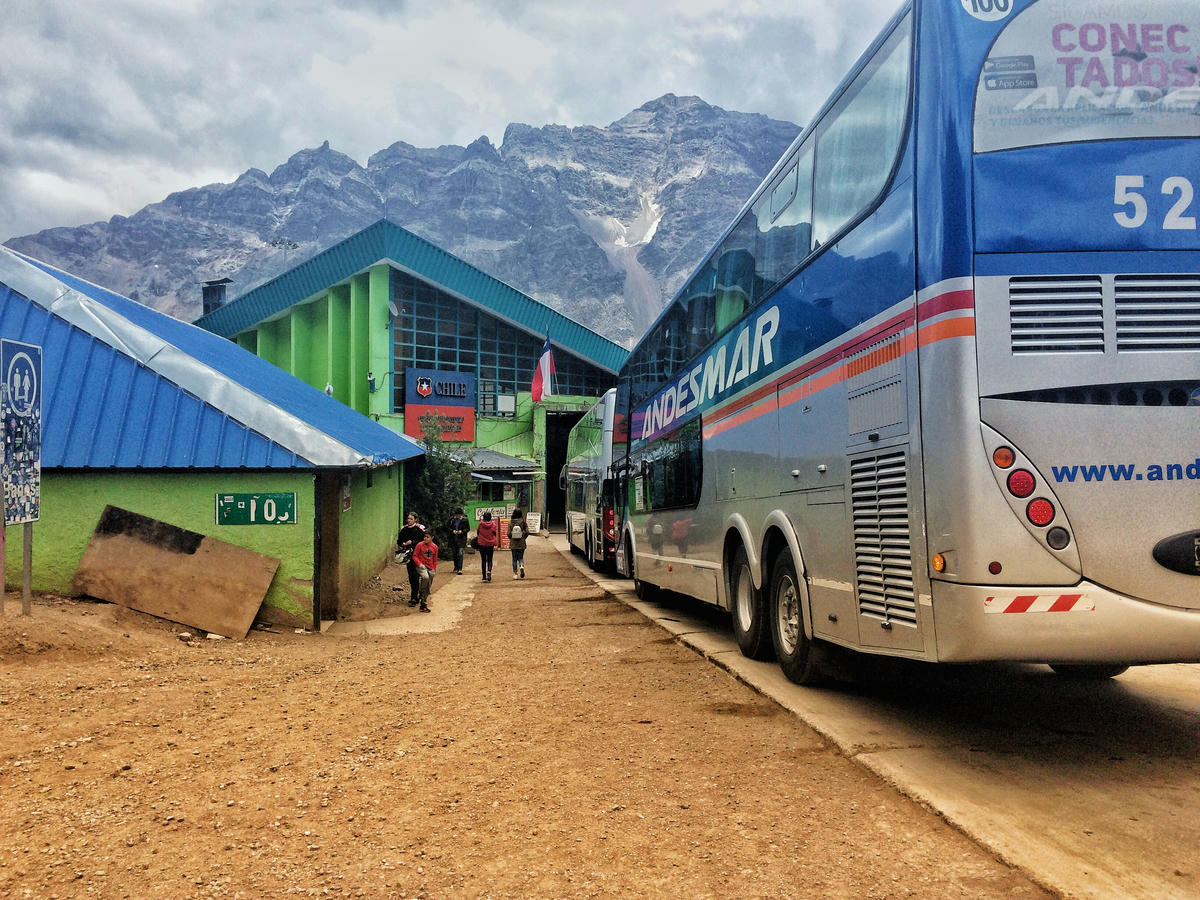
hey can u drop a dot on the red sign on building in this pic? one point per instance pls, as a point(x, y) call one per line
point(445, 397)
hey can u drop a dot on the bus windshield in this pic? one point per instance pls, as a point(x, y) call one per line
point(1064, 73)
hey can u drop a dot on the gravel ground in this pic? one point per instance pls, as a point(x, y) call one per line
point(550, 742)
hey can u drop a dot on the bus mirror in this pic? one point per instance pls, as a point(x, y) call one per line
point(562, 479)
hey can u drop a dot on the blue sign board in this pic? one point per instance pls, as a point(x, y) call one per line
point(433, 387)
point(444, 397)
point(21, 413)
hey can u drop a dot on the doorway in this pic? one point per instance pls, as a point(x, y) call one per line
point(558, 427)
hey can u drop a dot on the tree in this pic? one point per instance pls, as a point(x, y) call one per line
point(442, 484)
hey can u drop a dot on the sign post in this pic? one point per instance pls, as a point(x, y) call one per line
point(21, 410)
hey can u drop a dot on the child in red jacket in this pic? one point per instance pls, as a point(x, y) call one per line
point(425, 556)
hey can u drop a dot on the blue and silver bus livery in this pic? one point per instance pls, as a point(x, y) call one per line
point(936, 391)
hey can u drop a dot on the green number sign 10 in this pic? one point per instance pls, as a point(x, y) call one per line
point(256, 509)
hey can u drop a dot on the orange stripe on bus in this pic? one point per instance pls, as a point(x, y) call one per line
point(963, 326)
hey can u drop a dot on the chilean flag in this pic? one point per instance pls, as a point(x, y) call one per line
point(543, 375)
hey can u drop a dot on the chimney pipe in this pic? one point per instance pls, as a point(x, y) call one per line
point(214, 294)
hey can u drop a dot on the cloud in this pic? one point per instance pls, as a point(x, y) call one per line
point(107, 107)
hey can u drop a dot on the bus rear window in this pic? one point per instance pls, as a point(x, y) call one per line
point(1070, 71)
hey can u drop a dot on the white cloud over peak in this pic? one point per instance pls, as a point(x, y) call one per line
point(107, 107)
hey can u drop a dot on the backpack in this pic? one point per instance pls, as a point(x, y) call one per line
point(516, 533)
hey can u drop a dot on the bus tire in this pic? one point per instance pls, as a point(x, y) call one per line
point(643, 590)
point(1088, 673)
point(750, 625)
point(795, 652)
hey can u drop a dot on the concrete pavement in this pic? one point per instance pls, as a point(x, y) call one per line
point(451, 595)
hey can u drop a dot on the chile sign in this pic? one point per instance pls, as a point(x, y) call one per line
point(21, 411)
point(445, 396)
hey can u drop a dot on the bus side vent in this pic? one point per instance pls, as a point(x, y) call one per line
point(882, 549)
point(1056, 314)
point(875, 385)
point(1158, 312)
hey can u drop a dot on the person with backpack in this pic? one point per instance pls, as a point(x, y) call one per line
point(410, 535)
point(518, 530)
point(487, 538)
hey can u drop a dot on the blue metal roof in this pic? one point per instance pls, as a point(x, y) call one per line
point(387, 242)
point(124, 386)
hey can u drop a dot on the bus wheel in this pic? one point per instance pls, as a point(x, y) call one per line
point(795, 652)
point(1088, 673)
point(643, 590)
point(750, 625)
point(593, 564)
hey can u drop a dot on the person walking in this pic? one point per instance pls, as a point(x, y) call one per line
point(426, 557)
point(518, 531)
point(487, 536)
point(410, 535)
point(459, 526)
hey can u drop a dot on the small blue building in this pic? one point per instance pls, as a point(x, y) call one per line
point(150, 414)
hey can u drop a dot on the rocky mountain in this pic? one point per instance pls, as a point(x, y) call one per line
point(603, 224)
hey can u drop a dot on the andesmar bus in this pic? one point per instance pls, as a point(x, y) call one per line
point(936, 391)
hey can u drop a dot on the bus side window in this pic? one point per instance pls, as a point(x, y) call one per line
point(672, 470)
point(735, 276)
point(858, 143)
point(785, 223)
point(701, 309)
point(737, 290)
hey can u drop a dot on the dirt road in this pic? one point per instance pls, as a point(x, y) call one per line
point(552, 743)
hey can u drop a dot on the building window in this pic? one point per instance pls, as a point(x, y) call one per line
point(437, 331)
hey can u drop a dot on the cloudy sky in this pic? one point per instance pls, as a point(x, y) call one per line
point(108, 105)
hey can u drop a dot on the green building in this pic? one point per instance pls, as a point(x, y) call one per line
point(398, 329)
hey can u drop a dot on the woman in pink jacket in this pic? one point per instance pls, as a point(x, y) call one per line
point(487, 536)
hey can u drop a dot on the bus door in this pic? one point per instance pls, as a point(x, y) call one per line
point(813, 491)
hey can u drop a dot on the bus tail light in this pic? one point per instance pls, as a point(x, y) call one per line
point(1040, 512)
point(1030, 495)
point(610, 524)
point(1058, 537)
point(1021, 483)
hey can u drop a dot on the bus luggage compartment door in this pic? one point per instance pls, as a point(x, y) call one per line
point(883, 563)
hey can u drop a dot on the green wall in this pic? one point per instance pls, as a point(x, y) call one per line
point(367, 531)
point(73, 502)
point(336, 339)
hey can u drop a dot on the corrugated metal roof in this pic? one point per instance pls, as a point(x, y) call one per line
point(124, 386)
point(387, 242)
point(488, 460)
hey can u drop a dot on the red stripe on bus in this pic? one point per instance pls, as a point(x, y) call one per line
point(836, 371)
point(1021, 604)
point(1064, 603)
point(943, 303)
